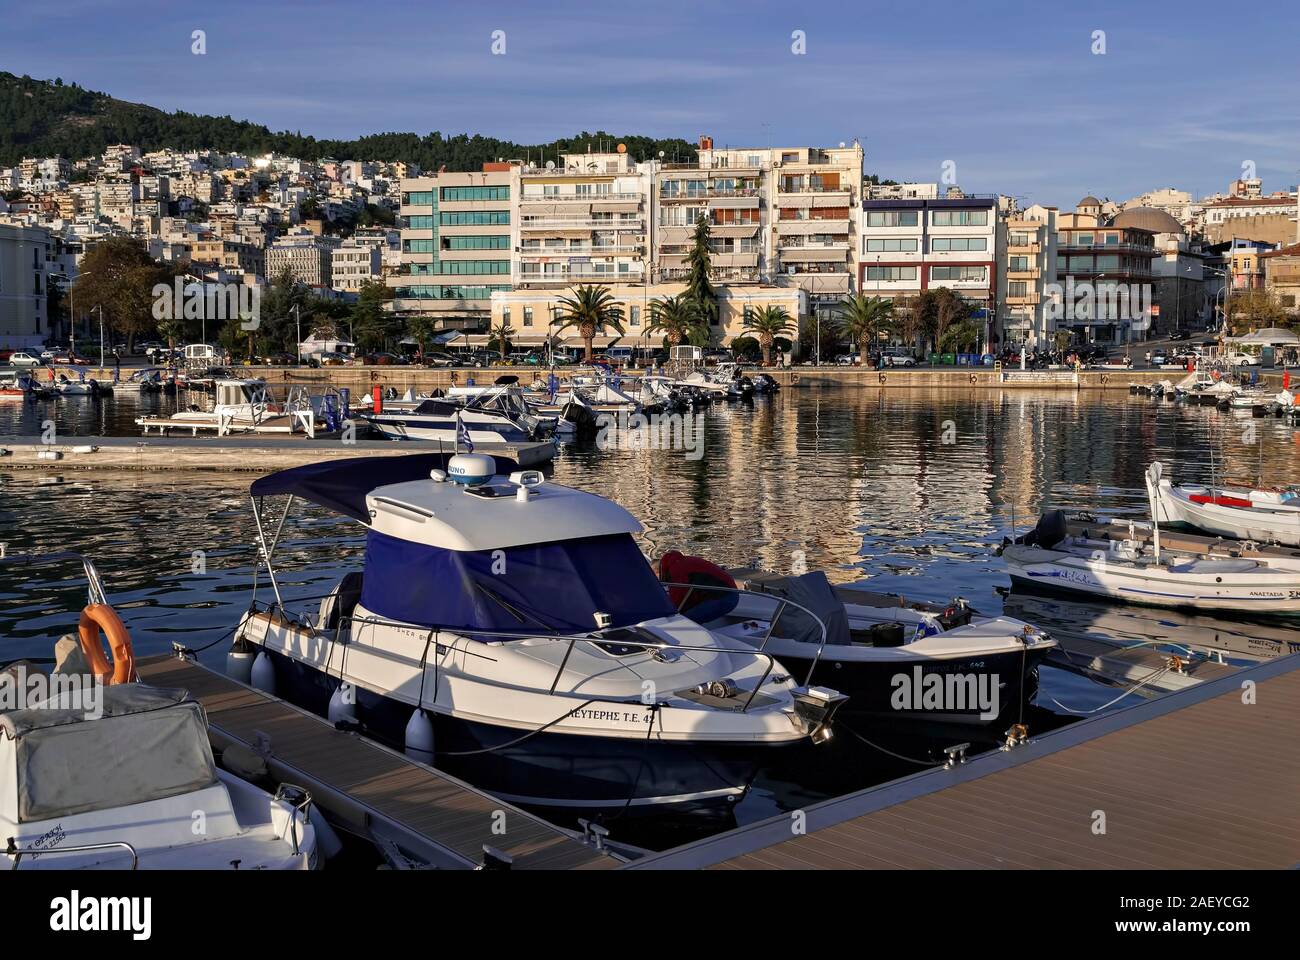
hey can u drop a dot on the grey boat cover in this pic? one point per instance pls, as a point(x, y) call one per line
point(149, 743)
point(814, 591)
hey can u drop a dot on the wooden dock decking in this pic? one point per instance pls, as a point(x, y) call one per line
point(1193, 780)
point(397, 795)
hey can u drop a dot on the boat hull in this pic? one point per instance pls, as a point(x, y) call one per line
point(569, 773)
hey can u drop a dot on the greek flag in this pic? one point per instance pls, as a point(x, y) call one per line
point(462, 435)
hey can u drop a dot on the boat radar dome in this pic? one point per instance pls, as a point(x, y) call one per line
point(471, 469)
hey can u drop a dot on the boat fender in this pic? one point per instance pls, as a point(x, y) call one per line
point(239, 660)
point(327, 841)
point(419, 737)
point(343, 704)
point(100, 616)
point(263, 673)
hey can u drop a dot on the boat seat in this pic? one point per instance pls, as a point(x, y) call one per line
point(1228, 565)
point(814, 591)
point(341, 602)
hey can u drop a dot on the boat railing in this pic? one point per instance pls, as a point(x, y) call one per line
point(598, 638)
point(781, 602)
point(13, 850)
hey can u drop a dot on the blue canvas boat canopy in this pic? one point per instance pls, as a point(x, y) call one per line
point(342, 485)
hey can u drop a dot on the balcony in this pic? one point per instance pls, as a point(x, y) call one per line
point(1026, 300)
point(599, 250)
point(571, 273)
point(580, 223)
point(805, 227)
point(577, 198)
point(1025, 250)
point(1031, 274)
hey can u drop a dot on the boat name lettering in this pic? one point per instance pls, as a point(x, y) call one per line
point(616, 716)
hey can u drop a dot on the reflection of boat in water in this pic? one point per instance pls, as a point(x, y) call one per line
point(1169, 631)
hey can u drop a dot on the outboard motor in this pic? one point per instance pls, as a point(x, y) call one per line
point(1048, 532)
point(582, 418)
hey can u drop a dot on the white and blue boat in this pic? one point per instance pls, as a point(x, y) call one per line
point(512, 633)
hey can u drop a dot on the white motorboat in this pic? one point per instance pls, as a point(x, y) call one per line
point(126, 789)
point(82, 387)
point(100, 772)
point(1239, 510)
point(976, 669)
point(494, 414)
point(512, 633)
point(148, 380)
point(1082, 555)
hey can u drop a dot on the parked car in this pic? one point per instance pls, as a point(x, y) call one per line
point(438, 359)
point(21, 358)
point(1180, 335)
point(382, 359)
point(898, 358)
point(1159, 358)
point(71, 358)
point(846, 359)
point(332, 359)
point(1241, 359)
point(279, 359)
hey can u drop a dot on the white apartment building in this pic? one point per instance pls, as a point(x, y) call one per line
point(911, 245)
point(583, 220)
point(24, 255)
point(307, 257)
point(1026, 266)
point(783, 216)
point(354, 264)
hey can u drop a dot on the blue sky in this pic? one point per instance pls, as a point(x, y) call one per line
point(1011, 93)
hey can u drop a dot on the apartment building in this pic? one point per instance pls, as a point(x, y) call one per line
point(1026, 266)
point(307, 257)
point(1090, 250)
point(583, 220)
point(781, 216)
point(233, 255)
point(532, 313)
point(459, 231)
point(24, 253)
point(353, 264)
point(1282, 277)
point(911, 245)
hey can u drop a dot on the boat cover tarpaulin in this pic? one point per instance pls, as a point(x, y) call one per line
point(148, 744)
point(342, 485)
point(544, 587)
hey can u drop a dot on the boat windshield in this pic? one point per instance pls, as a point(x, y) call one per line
point(553, 587)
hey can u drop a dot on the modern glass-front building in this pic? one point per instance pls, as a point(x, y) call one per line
point(458, 237)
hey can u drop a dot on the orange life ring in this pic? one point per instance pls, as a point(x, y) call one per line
point(97, 617)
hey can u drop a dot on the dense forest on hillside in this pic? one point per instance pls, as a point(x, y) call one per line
point(42, 118)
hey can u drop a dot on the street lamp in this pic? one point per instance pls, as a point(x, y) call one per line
point(297, 315)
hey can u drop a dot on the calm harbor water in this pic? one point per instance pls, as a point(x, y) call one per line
point(906, 490)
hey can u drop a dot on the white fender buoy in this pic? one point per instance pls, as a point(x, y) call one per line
point(327, 841)
point(343, 704)
point(239, 660)
point(262, 676)
point(419, 737)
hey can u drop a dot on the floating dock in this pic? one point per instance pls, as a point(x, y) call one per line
point(423, 813)
point(253, 455)
point(1207, 778)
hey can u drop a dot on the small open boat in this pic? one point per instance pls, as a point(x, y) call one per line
point(1084, 555)
point(1232, 509)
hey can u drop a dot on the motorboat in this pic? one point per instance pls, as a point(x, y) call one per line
point(23, 386)
point(765, 383)
point(1232, 509)
point(1252, 399)
point(82, 387)
point(511, 632)
point(99, 771)
point(1125, 560)
point(240, 404)
point(496, 414)
point(145, 381)
point(894, 659)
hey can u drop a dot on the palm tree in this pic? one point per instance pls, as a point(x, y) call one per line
point(767, 324)
point(501, 334)
point(678, 318)
point(863, 319)
point(590, 308)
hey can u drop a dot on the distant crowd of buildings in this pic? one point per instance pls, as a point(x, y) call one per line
point(796, 227)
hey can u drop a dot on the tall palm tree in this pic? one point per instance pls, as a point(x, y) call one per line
point(677, 318)
point(501, 334)
point(862, 319)
point(591, 307)
point(767, 324)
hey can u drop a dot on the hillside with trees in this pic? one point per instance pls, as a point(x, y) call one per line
point(45, 118)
